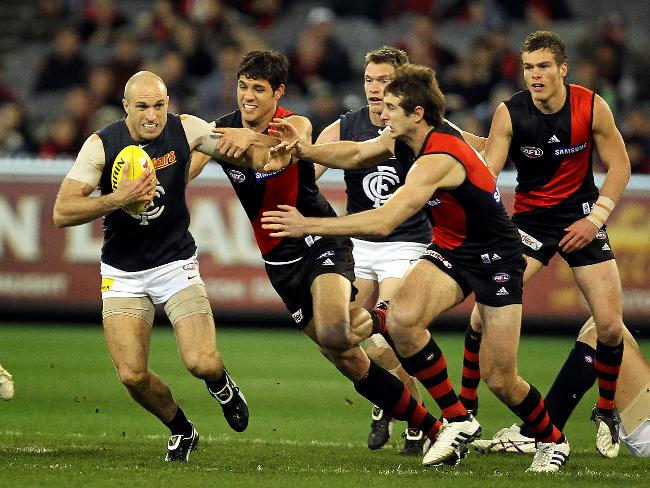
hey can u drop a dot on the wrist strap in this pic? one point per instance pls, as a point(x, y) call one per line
point(601, 210)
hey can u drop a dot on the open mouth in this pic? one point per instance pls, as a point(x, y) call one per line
point(537, 86)
point(248, 107)
point(375, 100)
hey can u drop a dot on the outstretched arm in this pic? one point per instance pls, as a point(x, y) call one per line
point(429, 173)
point(239, 146)
point(342, 154)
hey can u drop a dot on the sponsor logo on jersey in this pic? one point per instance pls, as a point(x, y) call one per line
point(262, 176)
point(326, 254)
point(601, 234)
point(165, 160)
point(501, 277)
point(297, 316)
point(328, 262)
point(107, 284)
point(495, 257)
point(380, 185)
point(606, 247)
point(553, 139)
point(190, 267)
point(439, 257)
point(502, 292)
point(586, 208)
point(497, 196)
point(434, 203)
point(531, 152)
point(563, 151)
point(236, 176)
point(530, 241)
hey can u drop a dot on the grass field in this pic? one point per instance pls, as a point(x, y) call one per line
point(72, 424)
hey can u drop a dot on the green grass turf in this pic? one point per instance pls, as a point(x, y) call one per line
point(72, 424)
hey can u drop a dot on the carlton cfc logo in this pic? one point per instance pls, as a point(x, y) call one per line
point(531, 152)
point(379, 185)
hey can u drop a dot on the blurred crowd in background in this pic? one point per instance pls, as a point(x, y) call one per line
point(63, 63)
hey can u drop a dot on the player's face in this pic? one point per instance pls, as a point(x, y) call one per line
point(256, 100)
point(146, 109)
point(375, 79)
point(395, 118)
point(544, 78)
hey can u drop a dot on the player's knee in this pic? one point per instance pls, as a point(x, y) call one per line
point(204, 364)
point(335, 336)
point(133, 379)
point(400, 323)
point(610, 330)
point(499, 382)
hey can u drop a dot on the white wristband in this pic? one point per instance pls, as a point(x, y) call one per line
point(600, 213)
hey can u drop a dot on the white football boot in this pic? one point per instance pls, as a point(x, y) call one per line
point(508, 439)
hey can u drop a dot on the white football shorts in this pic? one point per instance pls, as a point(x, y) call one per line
point(380, 260)
point(638, 442)
point(159, 283)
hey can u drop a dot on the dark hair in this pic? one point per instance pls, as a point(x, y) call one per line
point(268, 65)
point(388, 55)
point(545, 40)
point(416, 85)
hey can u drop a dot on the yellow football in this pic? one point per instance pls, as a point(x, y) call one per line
point(138, 160)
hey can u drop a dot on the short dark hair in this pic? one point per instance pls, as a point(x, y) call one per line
point(416, 85)
point(545, 40)
point(268, 65)
point(387, 55)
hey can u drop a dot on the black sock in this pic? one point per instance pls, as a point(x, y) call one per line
point(575, 378)
point(429, 366)
point(607, 365)
point(179, 425)
point(471, 375)
point(533, 413)
point(215, 387)
point(391, 395)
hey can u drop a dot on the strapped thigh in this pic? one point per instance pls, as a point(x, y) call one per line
point(378, 340)
point(189, 301)
point(138, 307)
point(637, 410)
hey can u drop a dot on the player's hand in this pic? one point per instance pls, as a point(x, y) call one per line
point(578, 235)
point(234, 141)
point(287, 221)
point(140, 190)
point(285, 131)
point(279, 158)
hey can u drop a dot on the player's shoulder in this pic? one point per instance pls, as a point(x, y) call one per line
point(519, 98)
point(358, 114)
point(232, 119)
point(189, 121)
